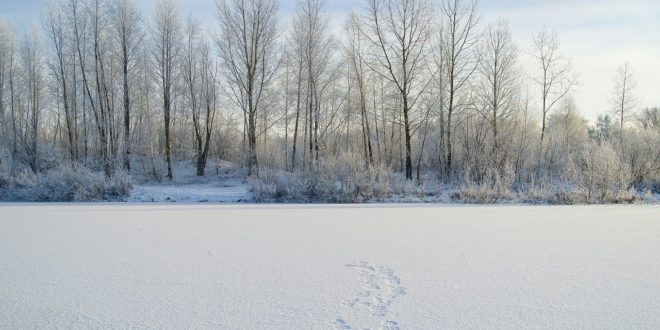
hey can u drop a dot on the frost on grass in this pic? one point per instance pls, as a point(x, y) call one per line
point(64, 184)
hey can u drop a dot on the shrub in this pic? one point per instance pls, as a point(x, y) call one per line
point(65, 184)
point(344, 179)
point(491, 188)
point(601, 175)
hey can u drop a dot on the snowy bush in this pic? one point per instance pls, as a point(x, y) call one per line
point(270, 184)
point(65, 183)
point(492, 187)
point(5, 168)
point(602, 177)
point(344, 179)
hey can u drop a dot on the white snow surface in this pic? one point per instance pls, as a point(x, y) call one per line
point(232, 191)
point(224, 183)
point(117, 266)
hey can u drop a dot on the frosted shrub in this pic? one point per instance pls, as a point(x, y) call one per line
point(64, 184)
point(67, 184)
point(5, 168)
point(644, 155)
point(118, 186)
point(493, 187)
point(344, 179)
point(602, 177)
point(19, 186)
point(269, 184)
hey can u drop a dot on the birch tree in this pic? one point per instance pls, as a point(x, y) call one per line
point(499, 88)
point(459, 40)
point(399, 31)
point(624, 100)
point(200, 76)
point(205, 118)
point(310, 31)
point(6, 59)
point(166, 46)
point(56, 29)
point(33, 84)
point(555, 78)
point(356, 51)
point(126, 22)
point(248, 48)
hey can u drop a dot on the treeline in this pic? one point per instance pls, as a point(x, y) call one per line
point(418, 89)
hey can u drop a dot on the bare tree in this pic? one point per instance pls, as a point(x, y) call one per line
point(6, 56)
point(126, 21)
point(248, 48)
point(166, 49)
point(33, 80)
point(78, 23)
point(296, 56)
point(556, 78)
point(200, 76)
point(190, 70)
point(55, 27)
point(400, 30)
point(499, 84)
point(624, 101)
point(204, 122)
point(314, 48)
point(8, 64)
point(458, 41)
point(355, 50)
point(90, 31)
point(4, 65)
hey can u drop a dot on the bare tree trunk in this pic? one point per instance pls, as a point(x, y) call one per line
point(126, 20)
point(167, 36)
point(459, 37)
point(295, 128)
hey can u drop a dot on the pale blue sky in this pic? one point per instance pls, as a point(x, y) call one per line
point(598, 34)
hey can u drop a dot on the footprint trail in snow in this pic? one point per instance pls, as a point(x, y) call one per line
point(379, 287)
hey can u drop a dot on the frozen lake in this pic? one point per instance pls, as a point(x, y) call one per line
point(117, 266)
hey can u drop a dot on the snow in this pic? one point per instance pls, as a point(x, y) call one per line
point(212, 192)
point(224, 183)
point(168, 266)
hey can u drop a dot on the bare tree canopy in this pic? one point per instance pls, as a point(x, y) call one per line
point(248, 47)
point(399, 30)
point(624, 101)
point(166, 48)
point(555, 78)
point(458, 40)
point(499, 86)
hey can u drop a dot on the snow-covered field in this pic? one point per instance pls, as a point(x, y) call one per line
point(209, 192)
point(225, 183)
point(348, 267)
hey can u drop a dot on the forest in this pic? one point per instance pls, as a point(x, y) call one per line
point(406, 100)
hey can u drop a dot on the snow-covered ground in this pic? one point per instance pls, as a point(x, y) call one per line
point(224, 183)
point(232, 191)
point(348, 267)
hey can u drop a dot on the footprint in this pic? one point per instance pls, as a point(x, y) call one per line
point(340, 324)
point(379, 287)
point(390, 325)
